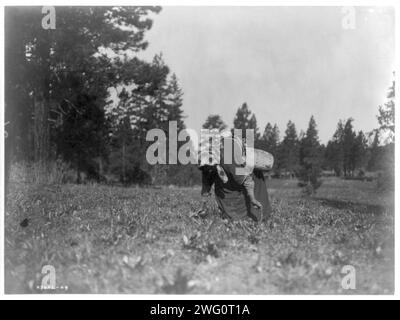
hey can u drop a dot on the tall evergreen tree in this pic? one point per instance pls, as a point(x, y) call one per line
point(270, 139)
point(214, 121)
point(289, 150)
point(310, 158)
point(244, 119)
point(386, 117)
point(309, 143)
point(175, 102)
point(360, 151)
point(348, 142)
point(334, 151)
point(373, 161)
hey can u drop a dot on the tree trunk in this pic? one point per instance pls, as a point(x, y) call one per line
point(41, 126)
point(41, 131)
point(8, 154)
point(123, 162)
point(101, 167)
point(78, 176)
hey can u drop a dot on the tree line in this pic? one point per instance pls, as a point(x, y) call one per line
point(349, 153)
point(79, 94)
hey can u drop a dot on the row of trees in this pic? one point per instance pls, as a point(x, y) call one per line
point(78, 92)
point(344, 153)
point(348, 153)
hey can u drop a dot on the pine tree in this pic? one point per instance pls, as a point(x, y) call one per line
point(348, 142)
point(122, 138)
point(373, 162)
point(360, 152)
point(270, 139)
point(214, 121)
point(310, 159)
point(244, 120)
point(334, 150)
point(288, 155)
point(175, 102)
point(386, 117)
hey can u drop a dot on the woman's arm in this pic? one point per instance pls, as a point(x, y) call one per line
point(249, 185)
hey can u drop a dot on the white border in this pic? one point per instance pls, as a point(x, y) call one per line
point(2, 216)
point(195, 297)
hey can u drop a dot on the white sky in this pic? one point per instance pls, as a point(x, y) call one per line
point(287, 63)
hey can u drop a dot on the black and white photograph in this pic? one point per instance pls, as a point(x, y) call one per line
point(176, 150)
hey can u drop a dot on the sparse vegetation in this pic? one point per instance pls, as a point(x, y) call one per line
point(104, 239)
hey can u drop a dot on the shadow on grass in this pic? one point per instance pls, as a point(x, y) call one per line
point(354, 206)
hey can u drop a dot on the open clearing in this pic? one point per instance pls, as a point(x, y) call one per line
point(105, 239)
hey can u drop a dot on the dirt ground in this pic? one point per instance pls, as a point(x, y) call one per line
point(105, 239)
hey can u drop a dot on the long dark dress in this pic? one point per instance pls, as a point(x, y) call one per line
point(233, 200)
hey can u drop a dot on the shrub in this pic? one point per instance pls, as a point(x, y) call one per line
point(54, 172)
point(309, 179)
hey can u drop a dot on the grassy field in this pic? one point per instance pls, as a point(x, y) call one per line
point(104, 239)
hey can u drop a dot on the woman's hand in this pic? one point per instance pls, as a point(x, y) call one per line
point(249, 187)
point(256, 204)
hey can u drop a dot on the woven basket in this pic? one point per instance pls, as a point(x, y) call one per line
point(262, 159)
